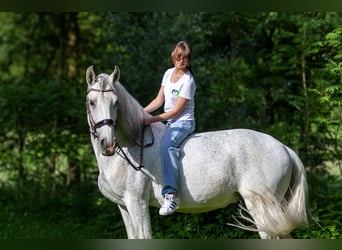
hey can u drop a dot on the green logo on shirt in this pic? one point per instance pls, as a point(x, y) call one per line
point(175, 92)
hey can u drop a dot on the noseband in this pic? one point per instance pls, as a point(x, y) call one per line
point(93, 124)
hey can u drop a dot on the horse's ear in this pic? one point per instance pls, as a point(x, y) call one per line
point(90, 75)
point(115, 75)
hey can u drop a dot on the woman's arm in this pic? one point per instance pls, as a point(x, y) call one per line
point(156, 102)
point(179, 107)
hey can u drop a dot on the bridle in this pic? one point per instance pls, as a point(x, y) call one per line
point(110, 122)
point(93, 124)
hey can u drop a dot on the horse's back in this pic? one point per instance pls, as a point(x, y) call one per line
point(238, 144)
point(236, 152)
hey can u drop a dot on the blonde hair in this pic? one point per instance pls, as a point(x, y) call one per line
point(182, 49)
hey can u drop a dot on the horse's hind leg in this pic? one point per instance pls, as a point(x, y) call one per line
point(268, 214)
point(266, 211)
point(257, 219)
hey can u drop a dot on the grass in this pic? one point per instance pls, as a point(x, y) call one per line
point(83, 213)
point(45, 225)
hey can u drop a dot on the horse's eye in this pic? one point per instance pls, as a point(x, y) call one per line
point(92, 103)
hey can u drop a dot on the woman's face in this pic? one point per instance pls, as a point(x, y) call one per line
point(181, 60)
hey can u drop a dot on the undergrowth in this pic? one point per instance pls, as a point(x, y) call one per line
point(83, 213)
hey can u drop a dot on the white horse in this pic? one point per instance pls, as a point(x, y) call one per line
point(218, 168)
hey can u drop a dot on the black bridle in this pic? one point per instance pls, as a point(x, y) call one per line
point(110, 122)
point(93, 124)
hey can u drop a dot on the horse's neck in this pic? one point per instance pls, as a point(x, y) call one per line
point(130, 121)
point(130, 117)
point(127, 133)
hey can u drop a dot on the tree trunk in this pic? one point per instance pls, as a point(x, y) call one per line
point(73, 45)
point(307, 134)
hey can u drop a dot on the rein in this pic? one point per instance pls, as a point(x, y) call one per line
point(110, 122)
point(142, 146)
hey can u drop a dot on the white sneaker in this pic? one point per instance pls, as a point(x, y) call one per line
point(170, 204)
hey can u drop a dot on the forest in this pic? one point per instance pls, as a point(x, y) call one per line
point(274, 72)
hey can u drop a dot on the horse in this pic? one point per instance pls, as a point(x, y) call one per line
point(218, 168)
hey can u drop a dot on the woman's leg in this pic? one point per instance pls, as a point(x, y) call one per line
point(175, 134)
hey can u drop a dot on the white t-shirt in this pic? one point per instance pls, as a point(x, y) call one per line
point(185, 87)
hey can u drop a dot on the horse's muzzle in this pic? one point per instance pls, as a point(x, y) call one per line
point(108, 149)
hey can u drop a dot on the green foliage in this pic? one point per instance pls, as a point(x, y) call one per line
point(82, 212)
point(76, 213)
point(324, 202)
point(210, 225)
point(276, 72)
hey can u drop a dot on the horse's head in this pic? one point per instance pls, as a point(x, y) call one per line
point(101, 106)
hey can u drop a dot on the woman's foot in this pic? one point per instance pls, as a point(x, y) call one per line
point(170, 204)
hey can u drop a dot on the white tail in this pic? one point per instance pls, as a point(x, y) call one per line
point(274, 217)
point(298, 192)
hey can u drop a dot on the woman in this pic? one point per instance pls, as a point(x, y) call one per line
point(177, 94)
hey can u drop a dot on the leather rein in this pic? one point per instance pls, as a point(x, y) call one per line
point(110, 122)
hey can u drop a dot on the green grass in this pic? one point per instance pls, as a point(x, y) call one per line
point(64, 225)
point(83, 213)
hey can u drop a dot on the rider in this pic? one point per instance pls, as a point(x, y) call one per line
point(177, 93)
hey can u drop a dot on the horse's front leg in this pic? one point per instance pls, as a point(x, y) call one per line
point(136, 217)
point(127, 221)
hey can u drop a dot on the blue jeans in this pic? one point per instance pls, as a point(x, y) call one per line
point(176, 132)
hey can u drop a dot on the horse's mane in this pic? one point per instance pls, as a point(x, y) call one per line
point(130, 116)
point(130, 113)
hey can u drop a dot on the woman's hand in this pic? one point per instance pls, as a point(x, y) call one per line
point(148, 120)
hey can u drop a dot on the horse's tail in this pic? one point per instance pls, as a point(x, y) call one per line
point(296, 197)
point(272, 215)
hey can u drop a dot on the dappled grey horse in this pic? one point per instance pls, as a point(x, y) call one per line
point(217, 168)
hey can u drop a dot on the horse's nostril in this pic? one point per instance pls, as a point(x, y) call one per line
point(104, 143)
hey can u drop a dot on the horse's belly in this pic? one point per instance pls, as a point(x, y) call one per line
point(207, 188)
point(206, 202)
